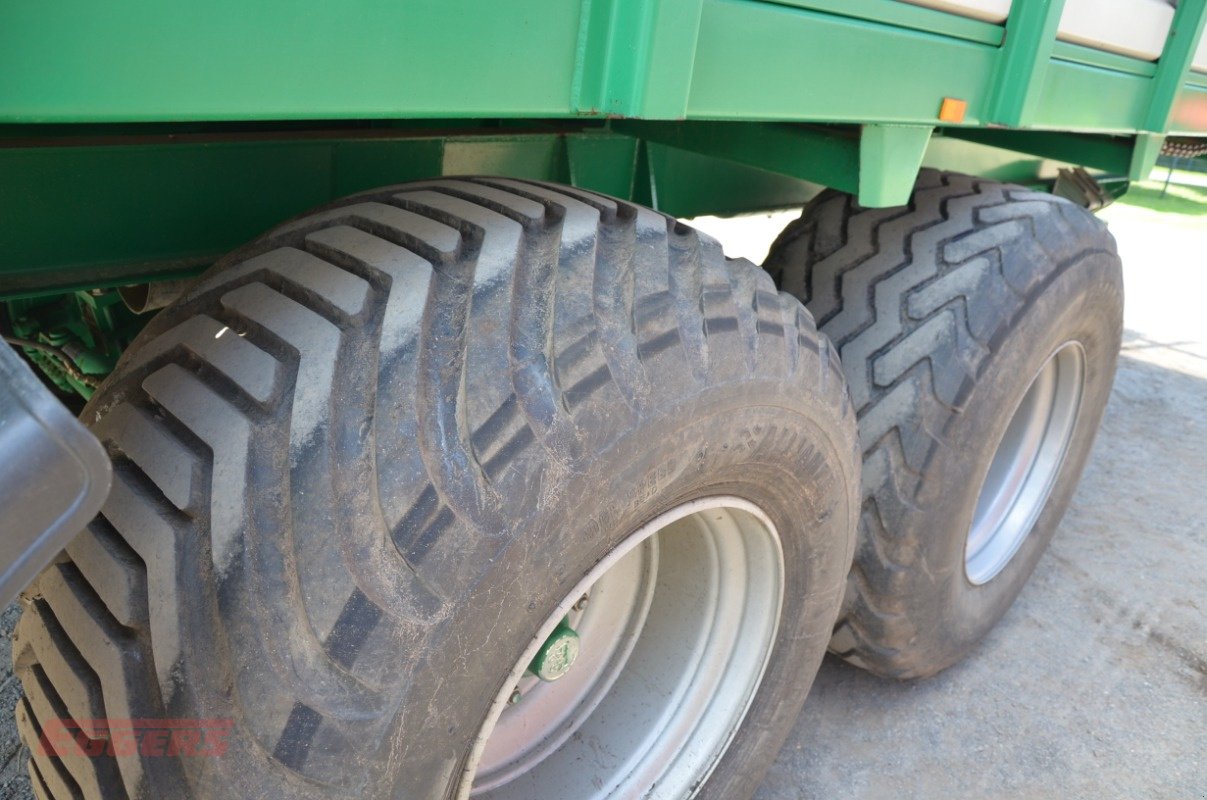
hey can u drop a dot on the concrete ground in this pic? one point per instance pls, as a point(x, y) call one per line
point(1095, 683)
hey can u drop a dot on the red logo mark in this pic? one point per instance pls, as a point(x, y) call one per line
point(133, 737)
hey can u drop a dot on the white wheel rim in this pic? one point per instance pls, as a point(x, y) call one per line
point(680, 622)
point(1026, 464)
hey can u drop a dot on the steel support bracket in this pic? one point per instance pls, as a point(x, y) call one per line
point(1108, 153)
point(828, 156)
point(889, 159)
point(1144, 155)
point(879, 164)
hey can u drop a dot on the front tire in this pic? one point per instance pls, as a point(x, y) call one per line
point(979, 328)
point(363, 464)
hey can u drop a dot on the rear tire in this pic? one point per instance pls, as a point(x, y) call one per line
point(946, 312)
point(370, 454)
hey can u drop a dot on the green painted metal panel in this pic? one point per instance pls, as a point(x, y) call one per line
point(105, 215)
point(130, 60)
point(137, 60)
point(420, 88)
point(854, 61)
point(101, 209)
point(821, 155)
point(635, 57)
point(604, 163)
point(688, 184)
point(362, 164)
point(1108, 153)
point(98, 215)
point(765, 61)
point(878, 163)
point(1080, 54)
point(997, 163)
point(807, 65)
point(108, 215)
point(1184, 33)
point(1078, 97)
point(1023, 64)
point(163, 208)
point(1189, 115)
point(905, 15)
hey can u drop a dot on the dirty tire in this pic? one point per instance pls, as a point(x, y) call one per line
point(370, 451)
point(943, 311)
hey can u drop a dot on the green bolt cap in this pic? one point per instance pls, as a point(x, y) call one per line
point(556, 655)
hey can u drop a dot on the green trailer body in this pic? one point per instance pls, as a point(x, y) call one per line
point(140, 140)
point(328, 494)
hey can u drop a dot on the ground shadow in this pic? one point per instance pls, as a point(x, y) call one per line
point(1179, 198)
point(1084, 624)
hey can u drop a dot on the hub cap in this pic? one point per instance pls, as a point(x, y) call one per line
point(673, 631)
point(1026, 464)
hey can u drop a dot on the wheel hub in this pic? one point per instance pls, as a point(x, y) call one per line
point(555, 657)
point(639, 692)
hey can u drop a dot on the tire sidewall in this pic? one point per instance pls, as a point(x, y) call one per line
point(1081, 302)
point(788, 461)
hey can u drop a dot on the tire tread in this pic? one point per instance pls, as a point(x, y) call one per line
point(914, 332)
point(272, 346)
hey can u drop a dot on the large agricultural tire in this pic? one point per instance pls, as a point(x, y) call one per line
point(978, 328)
point(382, 454)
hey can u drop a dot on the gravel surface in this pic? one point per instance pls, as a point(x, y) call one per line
point(1095, 683)
point(13, 782)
